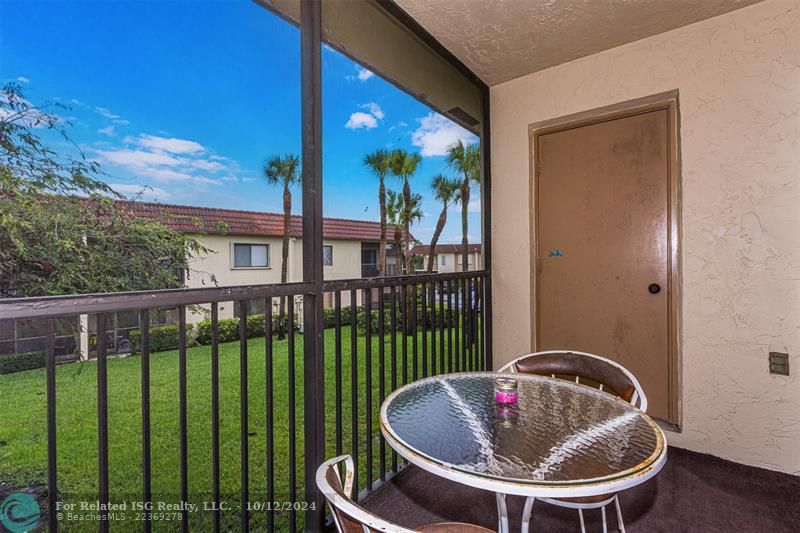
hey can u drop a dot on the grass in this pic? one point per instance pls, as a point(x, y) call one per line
point(23, 431)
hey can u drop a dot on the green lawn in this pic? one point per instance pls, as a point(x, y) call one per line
point(23, 432)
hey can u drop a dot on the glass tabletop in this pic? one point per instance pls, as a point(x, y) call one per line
point(558, 433)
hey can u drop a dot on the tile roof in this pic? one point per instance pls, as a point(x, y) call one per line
point(208, 220)
point(424, 249)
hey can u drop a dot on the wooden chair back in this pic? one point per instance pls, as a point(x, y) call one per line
point(584, 368)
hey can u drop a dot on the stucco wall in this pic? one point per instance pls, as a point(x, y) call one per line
point(739, 80)
point(346, 265)
point(346, 259)
point(453, 262)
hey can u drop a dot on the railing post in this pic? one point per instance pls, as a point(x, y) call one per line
point(486, 221)
point(52, 456)
point(313, 348)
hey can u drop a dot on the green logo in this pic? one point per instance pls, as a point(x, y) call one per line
point(19, 512)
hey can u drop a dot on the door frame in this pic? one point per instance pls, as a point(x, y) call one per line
point(662, 101)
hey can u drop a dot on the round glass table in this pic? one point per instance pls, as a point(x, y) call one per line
point(560, 440)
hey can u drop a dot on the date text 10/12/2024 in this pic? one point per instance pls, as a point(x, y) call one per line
point(161, 506)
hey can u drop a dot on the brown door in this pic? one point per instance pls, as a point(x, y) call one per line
point(602, 234)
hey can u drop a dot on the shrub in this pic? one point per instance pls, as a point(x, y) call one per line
point(162, 338)
point(228, 328)
point(329, 316)
point(21, 361)
point(375, 320)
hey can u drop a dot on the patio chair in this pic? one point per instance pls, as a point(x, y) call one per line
point(350, 517)
point(590, 370)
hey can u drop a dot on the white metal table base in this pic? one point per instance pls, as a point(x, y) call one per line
point(527, 513)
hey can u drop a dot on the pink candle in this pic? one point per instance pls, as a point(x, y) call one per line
point(505, 390)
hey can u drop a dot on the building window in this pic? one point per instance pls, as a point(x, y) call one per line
point(250, 255)
point(327, 255)
point(444, 259)
point(369, 260)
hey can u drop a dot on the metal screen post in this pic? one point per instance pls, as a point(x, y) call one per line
point(313, 347)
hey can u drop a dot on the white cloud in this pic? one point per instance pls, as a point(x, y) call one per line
point(204, 164)
point(105, 112)
point(138, 159)
point(168, 175)
point(361, 74)
point(400, 124)
point(361, 120)
point(169, 144)
point(23, 79)
point(368, 120)
point(167, 160)
point(108, 130)
point(140, 191)
point(364, 74)
point(437, 133)
point(374, 109)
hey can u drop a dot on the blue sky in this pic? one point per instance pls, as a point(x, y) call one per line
point(189, 99)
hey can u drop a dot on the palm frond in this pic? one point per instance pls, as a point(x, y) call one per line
point(282, 171)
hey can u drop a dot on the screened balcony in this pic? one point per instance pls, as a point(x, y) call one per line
point(224, 421)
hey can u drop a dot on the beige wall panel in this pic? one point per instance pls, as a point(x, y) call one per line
point(739, 80)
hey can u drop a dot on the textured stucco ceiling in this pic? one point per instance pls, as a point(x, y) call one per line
point(504, 39)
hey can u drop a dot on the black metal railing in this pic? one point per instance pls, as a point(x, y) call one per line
point(379, 334)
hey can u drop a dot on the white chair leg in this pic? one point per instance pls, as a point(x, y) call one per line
point(619, 515)
point(583, 524)
point(526, 514)
point(605, 525)
point(502, 513)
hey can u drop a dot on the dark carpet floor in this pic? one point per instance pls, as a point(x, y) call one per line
point(693, 493)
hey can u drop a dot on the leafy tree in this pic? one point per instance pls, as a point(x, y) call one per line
point(404, 166)
point(62, 230)
point(380, 162)
point(466, 160)
point(284, 172)
point(446, 190)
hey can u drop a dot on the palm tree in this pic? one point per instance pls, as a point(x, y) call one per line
point(466, 160)
point(446, 190)
point(284, 172)
point(394, 214)
point(404, 165)
point(380, 162)
point(402, 216)
point(413, 213)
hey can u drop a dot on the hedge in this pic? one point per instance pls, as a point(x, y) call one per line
point(166, 337)
point(162, 338)
point(228, 328)
point(433, 319)
point(21, 361)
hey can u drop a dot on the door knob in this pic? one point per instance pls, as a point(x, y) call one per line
point(654, 288)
